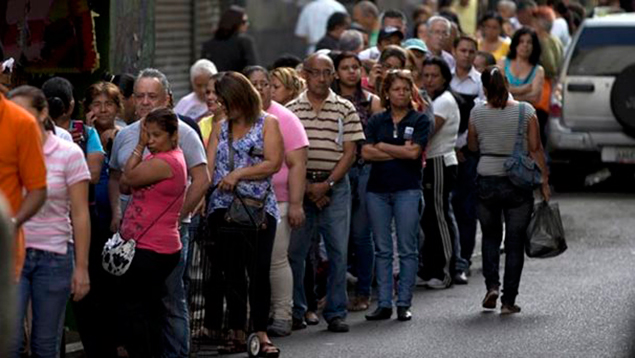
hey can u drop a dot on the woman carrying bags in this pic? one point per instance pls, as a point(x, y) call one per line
point(493, 130)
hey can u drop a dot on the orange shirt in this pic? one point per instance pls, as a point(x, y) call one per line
point(21, 162)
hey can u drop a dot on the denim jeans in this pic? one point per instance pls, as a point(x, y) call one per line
point(464, 205)
point(46, 282)
point(333, 222)
point(499, 198)
point(405, 207)
point(362, 246)
point(176, 331)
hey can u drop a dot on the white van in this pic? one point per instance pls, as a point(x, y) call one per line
point(592, 116)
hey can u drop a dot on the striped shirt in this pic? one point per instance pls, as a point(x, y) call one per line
point(496, 129)
point(337, 122)
point(50, 229)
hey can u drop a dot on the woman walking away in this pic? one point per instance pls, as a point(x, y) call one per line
point(348, 84)
point(157, 183)
point(439, 178)
point(57, 238)
point(244, 152)
point(493, 130)
point(395, 140)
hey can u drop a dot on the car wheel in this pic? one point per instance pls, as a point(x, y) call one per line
point(623, 99)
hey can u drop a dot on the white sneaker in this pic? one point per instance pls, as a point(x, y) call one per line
point(421, 282)
point(436, 284)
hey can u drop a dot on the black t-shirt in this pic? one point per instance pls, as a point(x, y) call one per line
point(398, 174)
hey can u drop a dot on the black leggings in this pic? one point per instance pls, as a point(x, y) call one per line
point(246, 253)
point(139, 302)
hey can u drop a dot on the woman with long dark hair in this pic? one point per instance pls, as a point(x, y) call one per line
point(348, 84)
point(439, 177)
point(231, 49)
point(524, 75)
point(244, 152)
point(493, 131)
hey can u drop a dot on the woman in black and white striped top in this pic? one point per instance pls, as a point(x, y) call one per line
point(492, 130)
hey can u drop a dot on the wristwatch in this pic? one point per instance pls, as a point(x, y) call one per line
point(330, 182)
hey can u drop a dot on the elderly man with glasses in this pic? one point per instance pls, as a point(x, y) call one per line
point(333, 128)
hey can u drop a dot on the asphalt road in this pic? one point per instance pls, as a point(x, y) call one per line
point(580, 304)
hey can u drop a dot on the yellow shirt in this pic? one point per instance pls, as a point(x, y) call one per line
point(206, 125)
point(501, 52)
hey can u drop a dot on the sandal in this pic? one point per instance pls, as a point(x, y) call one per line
point(267, 349)
point(359, 304)
point(237, 343)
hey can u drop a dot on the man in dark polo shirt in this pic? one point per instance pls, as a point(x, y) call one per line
point(333, 127)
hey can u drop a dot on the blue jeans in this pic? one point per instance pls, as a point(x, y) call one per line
point(499, 198)
point(46, 282)
point(405, 207)
point(176, 331)
point(363, 246)
point(333, 222)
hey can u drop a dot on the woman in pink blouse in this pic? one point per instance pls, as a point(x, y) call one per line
point(57, 237)
point(157, 183)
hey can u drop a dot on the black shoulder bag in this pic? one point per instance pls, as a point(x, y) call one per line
point(244, 211)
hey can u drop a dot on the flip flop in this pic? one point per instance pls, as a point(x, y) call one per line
point(267, 349)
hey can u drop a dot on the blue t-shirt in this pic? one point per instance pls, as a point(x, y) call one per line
point(398, 174)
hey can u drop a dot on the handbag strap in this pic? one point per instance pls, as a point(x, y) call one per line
point(230, 145)
point(520, 135)
point(161, 215)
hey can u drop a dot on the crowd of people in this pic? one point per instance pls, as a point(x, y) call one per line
point(368, 161)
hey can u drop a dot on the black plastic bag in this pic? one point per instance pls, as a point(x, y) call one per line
point(545, 233)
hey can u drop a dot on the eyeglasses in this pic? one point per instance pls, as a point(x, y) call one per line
point(318, 73)
point(439, 33)
point(151, 96)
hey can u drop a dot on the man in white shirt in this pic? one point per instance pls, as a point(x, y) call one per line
point(311, 26)
point(194, 105)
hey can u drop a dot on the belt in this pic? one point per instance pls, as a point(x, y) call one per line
point(316, 176)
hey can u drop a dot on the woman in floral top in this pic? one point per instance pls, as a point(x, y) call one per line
point(258, 154)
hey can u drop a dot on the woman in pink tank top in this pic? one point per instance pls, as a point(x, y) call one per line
point(157, 183)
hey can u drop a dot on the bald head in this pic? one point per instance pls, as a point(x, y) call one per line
point(317, 59)
point(318, 71)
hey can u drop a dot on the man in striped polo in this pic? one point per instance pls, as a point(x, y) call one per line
point(333, 127)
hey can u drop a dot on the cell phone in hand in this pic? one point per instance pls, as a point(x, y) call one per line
point(78, 127)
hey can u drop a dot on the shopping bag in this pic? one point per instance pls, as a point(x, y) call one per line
point(545, 233)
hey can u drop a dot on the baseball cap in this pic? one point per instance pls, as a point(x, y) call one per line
point(388, 31)
point(415, 44)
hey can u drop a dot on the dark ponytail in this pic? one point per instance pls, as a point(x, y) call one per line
point(56, 107)
point(495, 85)
point(59, 95)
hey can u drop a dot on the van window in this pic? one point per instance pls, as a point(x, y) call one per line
point(603, 51)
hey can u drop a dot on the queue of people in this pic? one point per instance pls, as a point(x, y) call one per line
point(374, 163)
